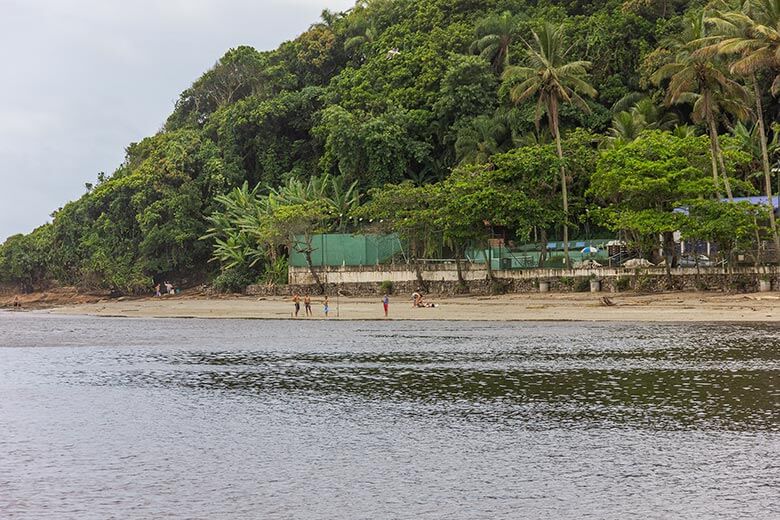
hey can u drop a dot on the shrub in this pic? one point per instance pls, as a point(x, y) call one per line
point(644, 283)
point(566, 281)
point(742, 284)
point(386, 287)
point(583, 285)
point(277, 272)
point(233, 280)
point(623, 283)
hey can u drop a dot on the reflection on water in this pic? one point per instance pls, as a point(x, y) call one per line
point(387, 420)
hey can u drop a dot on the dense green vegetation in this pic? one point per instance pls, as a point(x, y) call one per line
point(430, 118)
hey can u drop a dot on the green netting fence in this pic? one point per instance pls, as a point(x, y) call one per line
point(335, 250)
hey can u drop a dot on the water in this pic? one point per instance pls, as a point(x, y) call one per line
point(147, 419)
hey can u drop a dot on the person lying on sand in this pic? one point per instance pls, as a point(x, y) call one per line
point(420, 303)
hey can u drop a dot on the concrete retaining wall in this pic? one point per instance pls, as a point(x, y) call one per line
point(442, 279)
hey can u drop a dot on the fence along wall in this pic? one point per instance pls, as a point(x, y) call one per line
point(336, 250)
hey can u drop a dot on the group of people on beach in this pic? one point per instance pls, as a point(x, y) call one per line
point(418, 302)
point(307, 305)
point(296, 299)
point(169, 289)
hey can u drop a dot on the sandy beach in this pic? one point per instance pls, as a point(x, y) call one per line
point(628, 307)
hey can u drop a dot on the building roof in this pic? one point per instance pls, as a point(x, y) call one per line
point(758, 200)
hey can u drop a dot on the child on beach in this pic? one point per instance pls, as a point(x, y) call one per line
point(326, 307)
point(386, 303)
point(307, 306)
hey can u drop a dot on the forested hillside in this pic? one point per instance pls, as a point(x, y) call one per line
point(435, 116)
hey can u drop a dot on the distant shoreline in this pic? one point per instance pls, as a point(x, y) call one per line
point(561, 307)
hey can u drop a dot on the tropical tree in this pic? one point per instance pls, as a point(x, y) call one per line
point(642, 185)
point(495, 35)
point(410, 211)
point(362, 34)
point(730, 226)
point(698, 79)
point(643, 115)
point(475, 199)
point(656, 117)
point(234, 247)
point(552, 80)
point(248, 228)
point(25, 259)
point(480, 140)
point(294, 226)
point(752, 37)
point(626, 126)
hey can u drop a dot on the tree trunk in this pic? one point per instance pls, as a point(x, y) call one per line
point(717, 157)
point(491, 275)
point(314, 274)
point(418, 273)
point(462, 285)
point(669, 254)
point(758, 244)
point(726, 181)
point(543, 254)
point(553, 116)
point(767, 170)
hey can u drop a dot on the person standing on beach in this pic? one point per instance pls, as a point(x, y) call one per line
point(157, 290)
point(307, 306)
point(297, 301)
point(386, 304)
point(326, 307)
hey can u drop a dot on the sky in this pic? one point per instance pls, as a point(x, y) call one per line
point(82, 79)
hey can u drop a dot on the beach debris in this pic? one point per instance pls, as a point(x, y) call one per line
point(607, 301)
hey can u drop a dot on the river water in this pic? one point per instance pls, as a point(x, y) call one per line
point(148, 419)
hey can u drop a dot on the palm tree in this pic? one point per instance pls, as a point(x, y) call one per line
point(700, 80)
point(644, 115)
point(552, 80)
point(495, 35)
point(654, 116)
point(363, 33)
point(480, 140)
point(752, 36)
point(683, 131)
point(626, 127)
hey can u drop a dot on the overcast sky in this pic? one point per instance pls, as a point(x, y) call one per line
point(84, 78)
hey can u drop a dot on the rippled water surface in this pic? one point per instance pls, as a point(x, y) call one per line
point(148, 419)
